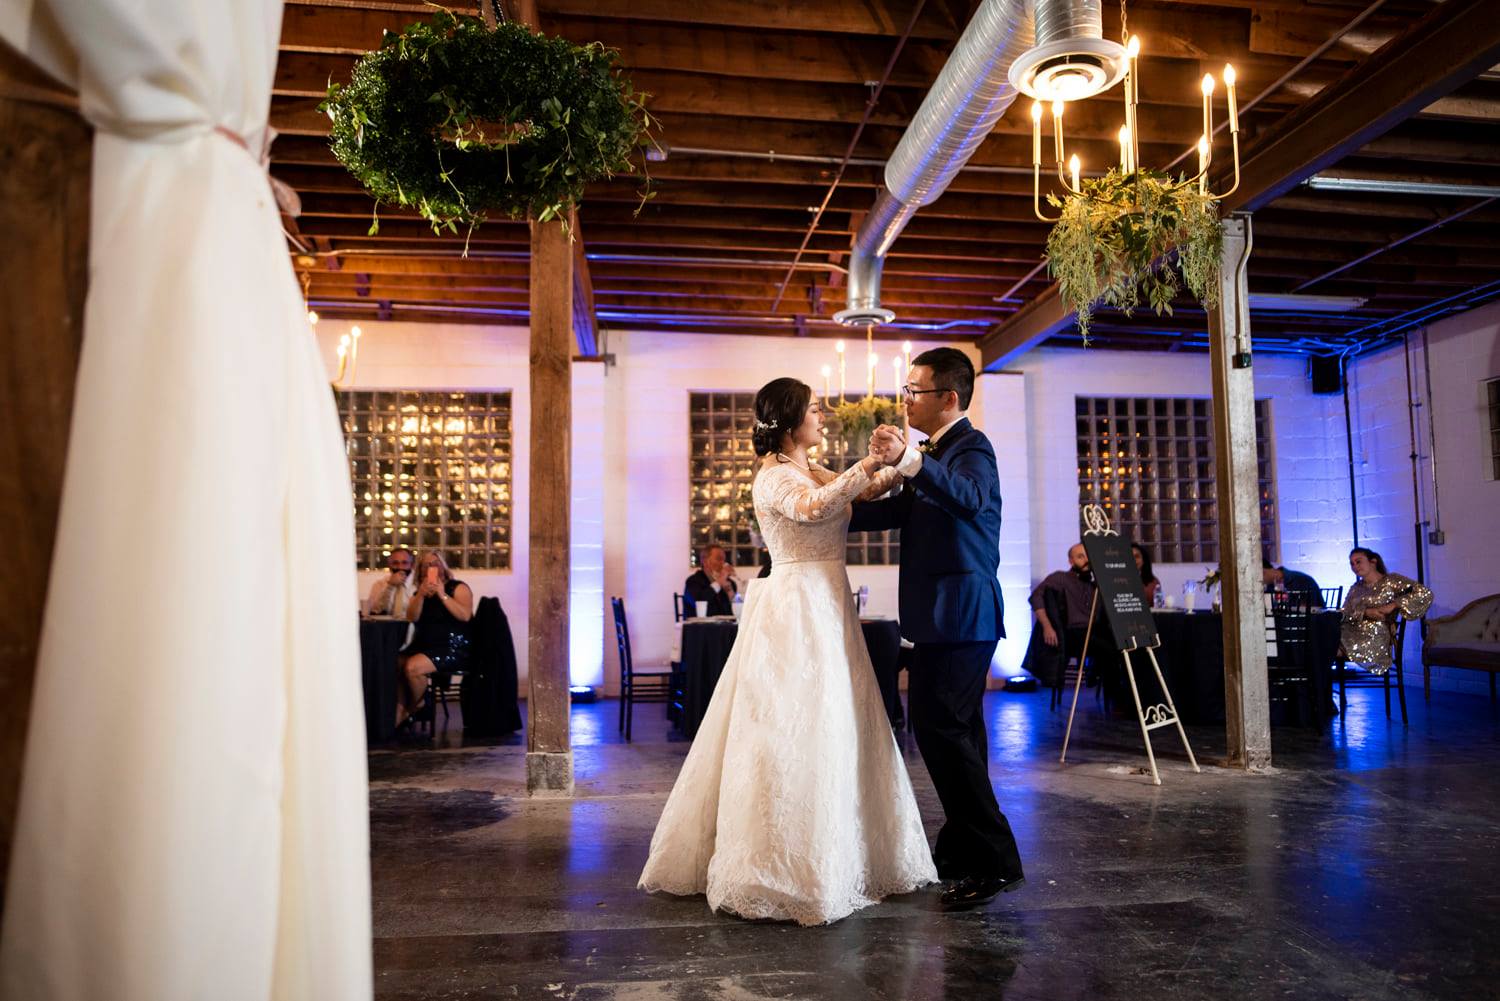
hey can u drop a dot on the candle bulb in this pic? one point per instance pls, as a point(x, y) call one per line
point(900, 376)
point(1208, 92)
point(839, 347)
point(906, 357)
point(1057, 133)
point(826, 373)
point(354, 333)
point(312, 317)
point(1234, 112)
point(1036, 133)
point(1132, 97)
point(1073, 166)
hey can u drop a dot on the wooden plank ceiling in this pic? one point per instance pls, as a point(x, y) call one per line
point(758, 103)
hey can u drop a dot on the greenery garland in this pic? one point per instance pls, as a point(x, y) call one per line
point(855, 420)
point(1113, 244)
point(463, 123)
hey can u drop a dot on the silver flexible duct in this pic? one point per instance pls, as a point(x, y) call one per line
point(1057, 19)
point(970, 95)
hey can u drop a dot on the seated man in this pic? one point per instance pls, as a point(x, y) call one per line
point(1293, 582)
point(1076, 586)
point(714, 583)
point(390, 593)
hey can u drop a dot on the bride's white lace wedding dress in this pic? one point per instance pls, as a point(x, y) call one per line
point(794, 802)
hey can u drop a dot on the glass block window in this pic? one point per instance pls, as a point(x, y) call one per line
point(430, 470)
point(721, 465)
point(1492, 396)
point(874, 549)
point(1149, 462)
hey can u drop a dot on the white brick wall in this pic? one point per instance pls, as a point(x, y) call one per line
point(1465, 351)
point(630, 465)
point(1307, 451)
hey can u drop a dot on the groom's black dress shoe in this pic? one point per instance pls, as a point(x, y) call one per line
point(971, 891)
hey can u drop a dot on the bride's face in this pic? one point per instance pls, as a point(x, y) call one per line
point(810, 431)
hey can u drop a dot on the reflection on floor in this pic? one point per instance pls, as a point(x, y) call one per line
point(1365, 866)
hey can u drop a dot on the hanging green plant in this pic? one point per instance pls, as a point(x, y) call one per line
point(464, 123)
point(1113, 243)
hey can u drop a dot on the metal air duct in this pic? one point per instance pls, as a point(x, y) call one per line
point(1071, 59)
point(970, 95)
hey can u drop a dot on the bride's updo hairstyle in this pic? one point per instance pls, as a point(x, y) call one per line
point(780, 407)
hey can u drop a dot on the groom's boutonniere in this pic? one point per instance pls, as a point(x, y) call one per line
point(927, 447)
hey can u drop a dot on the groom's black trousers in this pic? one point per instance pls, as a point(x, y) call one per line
point(946, 693)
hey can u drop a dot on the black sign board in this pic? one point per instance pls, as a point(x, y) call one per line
point(1120, 590)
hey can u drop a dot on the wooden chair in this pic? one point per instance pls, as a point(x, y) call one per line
point(1397, 643)
point(637, 686)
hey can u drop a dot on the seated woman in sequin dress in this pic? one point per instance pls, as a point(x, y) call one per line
point(1370, 610)
point(441, 609)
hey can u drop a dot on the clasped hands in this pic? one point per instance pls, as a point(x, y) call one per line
point(887, 445)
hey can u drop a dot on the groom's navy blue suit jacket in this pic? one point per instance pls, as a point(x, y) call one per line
point(949, 516)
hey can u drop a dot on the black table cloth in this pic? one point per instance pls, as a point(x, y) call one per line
point(379, 642)
point(1192, 660)
point(705, 650)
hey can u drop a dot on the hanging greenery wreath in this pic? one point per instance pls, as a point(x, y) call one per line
point(1113, 244)
point(854, 421)
point(462, 122)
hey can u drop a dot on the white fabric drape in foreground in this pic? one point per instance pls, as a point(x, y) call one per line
point(193, 819)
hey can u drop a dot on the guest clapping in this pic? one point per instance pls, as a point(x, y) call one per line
point(1369, 623)
point(441, 609)
point(392, 592)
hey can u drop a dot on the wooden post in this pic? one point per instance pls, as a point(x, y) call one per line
point(1246, 700)
point(45, 153)
point(549, 755)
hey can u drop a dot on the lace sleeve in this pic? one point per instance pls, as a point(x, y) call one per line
point(788, 493)
point(880, 483)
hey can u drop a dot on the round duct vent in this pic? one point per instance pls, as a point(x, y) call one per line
point(864, 317)
point(1069, 69)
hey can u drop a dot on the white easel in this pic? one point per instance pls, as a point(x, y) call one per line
point(1157, 715)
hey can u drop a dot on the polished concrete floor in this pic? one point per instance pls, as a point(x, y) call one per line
point(1366, 865)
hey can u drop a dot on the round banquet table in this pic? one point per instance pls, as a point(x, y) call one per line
point(379, 642)
point(1192, 660)
point(705, 650)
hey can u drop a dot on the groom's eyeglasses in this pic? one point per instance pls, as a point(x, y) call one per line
point(914, 391)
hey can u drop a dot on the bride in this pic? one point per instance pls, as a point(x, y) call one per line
point(794, 803)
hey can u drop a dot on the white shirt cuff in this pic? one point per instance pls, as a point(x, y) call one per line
point(910, 464)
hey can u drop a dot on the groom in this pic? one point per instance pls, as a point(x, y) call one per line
point(949, 516)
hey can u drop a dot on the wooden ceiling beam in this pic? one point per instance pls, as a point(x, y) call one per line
point(1453, 43)
point(1449, 46)
point(840, 17)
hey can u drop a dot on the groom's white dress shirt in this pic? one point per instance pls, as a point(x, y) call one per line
point(911, 462)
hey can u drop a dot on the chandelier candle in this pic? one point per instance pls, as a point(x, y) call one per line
point(826, 373)
point(839, 347)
